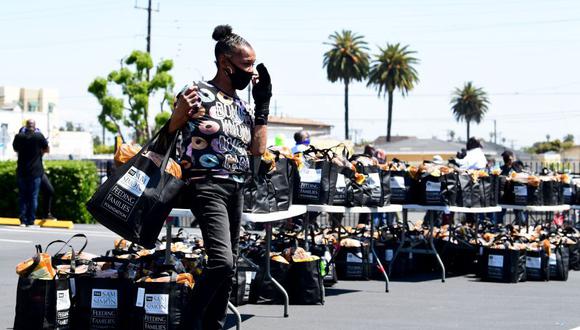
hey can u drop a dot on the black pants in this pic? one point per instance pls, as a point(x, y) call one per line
point(217, 206)
point(47, 191)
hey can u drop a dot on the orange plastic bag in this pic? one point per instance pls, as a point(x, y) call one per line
point(126, 151)
point(38, 267)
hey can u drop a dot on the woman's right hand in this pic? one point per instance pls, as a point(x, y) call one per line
point(188, 106)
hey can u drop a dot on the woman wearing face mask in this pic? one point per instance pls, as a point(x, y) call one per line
point(218, 130)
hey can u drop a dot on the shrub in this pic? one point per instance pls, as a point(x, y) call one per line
point(74, 183)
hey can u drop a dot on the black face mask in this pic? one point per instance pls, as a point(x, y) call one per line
point(240, 78)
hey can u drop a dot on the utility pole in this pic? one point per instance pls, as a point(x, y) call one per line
point(495, 131)
point(149, 10)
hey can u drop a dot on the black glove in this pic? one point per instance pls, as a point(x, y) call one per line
point(262, 93)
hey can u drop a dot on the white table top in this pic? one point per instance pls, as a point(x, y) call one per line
point(539, 208)
point(180, 213)
point(293, 211)
point(456, 209)
point(350, 210)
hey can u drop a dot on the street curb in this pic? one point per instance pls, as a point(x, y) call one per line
point(55, 223)
point(10, 221)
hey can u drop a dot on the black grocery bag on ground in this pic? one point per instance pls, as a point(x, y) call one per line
point(504, 265)
point(246, 272)
point(136, 200)
point(102, 303)
point(559, 263)
point(160, 305)
point(263, 290)
point(537, 268)
point(42, 304)
point(304, 283)
point(352, 263)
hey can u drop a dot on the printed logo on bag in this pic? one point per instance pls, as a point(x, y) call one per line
point(340, 181)
point(552, 259)
point(521, 191)
point(533, 262)
point(433, 186)
point(103, 298)
point(62, 308)
point(135, 181)
point(495, 261)
point(157, 304)
point(388, 255)
point(119, 202)
point(567, 192)
point(397, 182)
point(354, 258)
point(310, 175)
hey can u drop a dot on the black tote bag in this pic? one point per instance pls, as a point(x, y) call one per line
point(559, 263)
point(440, 190)
point(400, 186)
point(42, 304)
point(369, 193)
point(161, 305)
point(504, 265)
point(102, 303)
point(135, 201)
point(551, 193)
point(317, 182)
point(305, 285)
point(537, 268)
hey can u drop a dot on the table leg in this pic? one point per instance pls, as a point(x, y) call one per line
point(306, 224)
point(268, 227)
point(380, 265)
point(405, 226)
point(431, 224)
point(234, 310)
point(168, 225)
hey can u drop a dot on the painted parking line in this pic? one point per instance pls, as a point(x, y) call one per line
point(14, 241)
point(56, 231)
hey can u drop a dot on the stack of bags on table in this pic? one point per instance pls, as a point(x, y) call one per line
point(129, 287)
point(547, 189)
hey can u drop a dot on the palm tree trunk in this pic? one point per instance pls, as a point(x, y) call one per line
point(467, 131)
point(346, 110)
point(389, 116)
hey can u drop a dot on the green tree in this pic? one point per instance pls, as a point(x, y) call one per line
point(346, 61)
point(392, 69)
point(136, 90)
point(569, 138)
point(469, 104)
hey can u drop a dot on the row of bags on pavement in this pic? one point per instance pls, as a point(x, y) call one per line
point(496, 253)
point(131, 287)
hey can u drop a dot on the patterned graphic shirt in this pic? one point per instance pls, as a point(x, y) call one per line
point(217, 143)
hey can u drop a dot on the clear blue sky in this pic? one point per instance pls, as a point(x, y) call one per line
point(524, 53)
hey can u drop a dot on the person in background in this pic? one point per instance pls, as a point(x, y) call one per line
point(30, 146)
point(46, 188)
point(219, 129)
point(474, 157)
point(510, 164)
point(302, 139)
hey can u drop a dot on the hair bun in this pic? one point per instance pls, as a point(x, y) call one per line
point(221, 32)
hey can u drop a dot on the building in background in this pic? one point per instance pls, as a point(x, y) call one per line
point(286, 127)
point(20, 104)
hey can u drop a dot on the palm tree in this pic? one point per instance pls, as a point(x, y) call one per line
point(347, 60)
point(469, 104)
point(393, 69)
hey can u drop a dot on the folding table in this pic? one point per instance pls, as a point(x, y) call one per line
point(432, 250)
point(267, 219)
point(536, 208)
point(356, 210)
